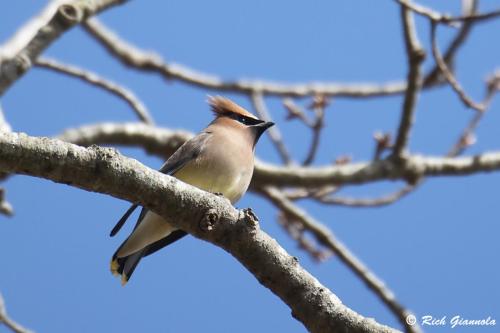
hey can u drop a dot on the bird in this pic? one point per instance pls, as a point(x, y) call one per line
point(219, 159)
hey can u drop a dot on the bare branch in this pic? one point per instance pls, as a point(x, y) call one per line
point(425, 11)
point(383, 143)
point(368, 202)
point(437, 17)
point(139, 59)
point(8, 322)
point(327, 239)
point(4, 125)
point(412, 169)
point(18, 41)
point(303, 193)
point(468, 8)
point(297, 232)
point(13, 64)
point(274, 133)
point(319, 105)
point(415, 55)
point(163, 142)
point(98, 81)
point(5, 206)
point(449, 76)
point(467, 137)
point(105, 171)
point(296, 112)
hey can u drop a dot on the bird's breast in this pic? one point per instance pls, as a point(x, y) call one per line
point(220, 171)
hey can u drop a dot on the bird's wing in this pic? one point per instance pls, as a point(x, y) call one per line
point(189, 151)
point(158, 245)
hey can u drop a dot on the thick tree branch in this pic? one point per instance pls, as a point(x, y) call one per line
point(14, 63)
point(105, 171)
point(328, 239)
point(412, 169)
point(163, 142)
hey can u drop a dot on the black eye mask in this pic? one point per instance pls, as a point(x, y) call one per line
point(249, 121)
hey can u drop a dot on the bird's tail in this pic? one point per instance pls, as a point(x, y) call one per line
point(125, 266)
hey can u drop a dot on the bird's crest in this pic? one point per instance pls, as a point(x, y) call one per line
point(223, 106)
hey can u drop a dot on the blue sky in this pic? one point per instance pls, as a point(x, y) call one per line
point(437, 248)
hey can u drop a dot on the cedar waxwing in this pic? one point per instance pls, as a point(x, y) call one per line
point(220, 159)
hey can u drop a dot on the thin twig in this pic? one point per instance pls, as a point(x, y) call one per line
point(415, 55)
point(449, 76)
point(438, 17)
point(8, 322)
point(327, 239)
point(383, 143)
point(319, 105)
point(468, 8)
point(294, 111)
point(368, 202)
point(477, 17)
point(98, 81)
point(467, 138)
point(134, 57)
point(303, 193)
point(424, 11)
point(295, 229)
point(274, 133)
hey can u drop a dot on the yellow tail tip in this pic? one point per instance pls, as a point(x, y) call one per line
point(114, 267)
point(124, 280)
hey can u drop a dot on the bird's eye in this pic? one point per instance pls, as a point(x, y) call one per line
point(245, 120)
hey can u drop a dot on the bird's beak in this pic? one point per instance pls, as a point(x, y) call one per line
point(268, 124)
point(261, 128)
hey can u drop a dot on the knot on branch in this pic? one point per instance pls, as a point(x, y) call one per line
point(68, 15)
point(14, 67)
point(209, 220)
point(413, 170)
point(103, 156)
point(103, 153)
point(249, 218)
point(418, 55)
